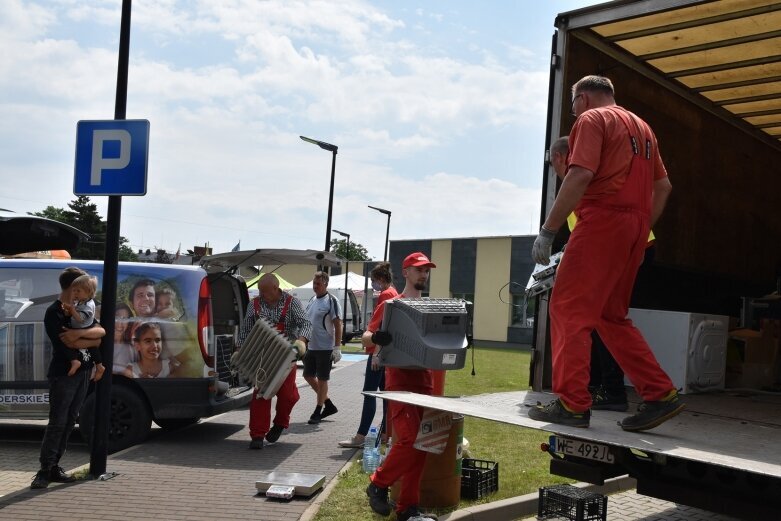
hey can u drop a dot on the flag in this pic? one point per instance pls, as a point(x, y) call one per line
point(178, 251)
point(237, 247)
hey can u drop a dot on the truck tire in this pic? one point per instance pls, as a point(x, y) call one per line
point(172, 424)
point(130, 422)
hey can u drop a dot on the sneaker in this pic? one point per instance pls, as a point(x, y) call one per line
point(315, 418)
point(413, 514)
point(653, 414)
point(256, 444)
point(378, 499)
point(555, 412)
point(329, 409)
point(273, 434)
point(356, 442)
point(40, 480)
point(602, 400)
point(57, 475)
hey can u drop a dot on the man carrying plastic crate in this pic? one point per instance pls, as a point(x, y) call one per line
point(404, 461)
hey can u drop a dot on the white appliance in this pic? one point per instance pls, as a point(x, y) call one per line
point(690, 347)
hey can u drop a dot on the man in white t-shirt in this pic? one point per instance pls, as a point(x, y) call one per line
point(325, 315)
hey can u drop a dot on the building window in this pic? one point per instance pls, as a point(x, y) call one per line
point(523, 311)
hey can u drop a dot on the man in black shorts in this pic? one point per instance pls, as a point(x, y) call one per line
point(325, 315)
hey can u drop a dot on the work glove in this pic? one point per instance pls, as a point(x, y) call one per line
point(336, 355)
point(300, 348)
point(542, 246)
point(381, 338)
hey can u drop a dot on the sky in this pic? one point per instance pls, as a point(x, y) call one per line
point(437, 107)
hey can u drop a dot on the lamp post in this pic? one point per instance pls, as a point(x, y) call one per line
point(346, 273)
point(333, 149)
point(387, 229)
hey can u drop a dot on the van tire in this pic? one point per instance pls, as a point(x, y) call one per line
point(130, 422)
point(172, 424)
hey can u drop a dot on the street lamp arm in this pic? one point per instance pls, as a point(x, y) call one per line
point(321, 144)
point(381, 210)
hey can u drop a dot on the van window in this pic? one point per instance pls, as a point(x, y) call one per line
point(3, 351)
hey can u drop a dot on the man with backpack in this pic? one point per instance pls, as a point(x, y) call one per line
point(325, 315)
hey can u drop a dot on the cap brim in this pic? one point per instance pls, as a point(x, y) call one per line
point(422, 264)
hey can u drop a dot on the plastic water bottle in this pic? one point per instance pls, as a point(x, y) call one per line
point(370, 454)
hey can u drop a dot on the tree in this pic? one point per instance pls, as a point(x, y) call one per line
point(356, 251)
point(83, 214)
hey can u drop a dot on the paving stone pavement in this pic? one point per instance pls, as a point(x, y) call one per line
point(206, 472)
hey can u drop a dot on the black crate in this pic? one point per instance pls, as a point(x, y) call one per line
point(478, 478)
point(568, 502)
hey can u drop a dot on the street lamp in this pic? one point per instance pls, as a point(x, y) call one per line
point(346, 273)
point(333, 149)
point(387, 230)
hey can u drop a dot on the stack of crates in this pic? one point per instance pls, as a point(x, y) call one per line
point(572, 503)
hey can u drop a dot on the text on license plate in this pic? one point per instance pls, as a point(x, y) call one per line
point(581, 449)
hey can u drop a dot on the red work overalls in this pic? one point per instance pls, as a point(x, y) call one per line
point(287, 396)
point(595, 279)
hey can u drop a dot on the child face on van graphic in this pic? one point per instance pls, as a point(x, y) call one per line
point(149, 344)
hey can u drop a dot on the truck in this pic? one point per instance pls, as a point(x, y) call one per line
point(706, 75)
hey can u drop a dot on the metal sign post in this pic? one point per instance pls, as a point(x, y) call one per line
point(111, 159)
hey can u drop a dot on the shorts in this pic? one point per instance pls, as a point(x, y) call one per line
point(318, 363)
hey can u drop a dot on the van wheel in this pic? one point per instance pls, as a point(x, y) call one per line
point(130, 421)
point(172, 424)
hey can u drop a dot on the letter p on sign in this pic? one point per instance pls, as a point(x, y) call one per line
point(111, 157)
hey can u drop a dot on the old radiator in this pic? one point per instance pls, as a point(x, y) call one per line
point(264, 359)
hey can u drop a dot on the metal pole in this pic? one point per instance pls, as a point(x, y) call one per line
point(330, 204)
point(99, 452)
point(346, 279)
point(387, 235)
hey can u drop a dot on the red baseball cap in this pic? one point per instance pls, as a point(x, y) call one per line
point(417, 259)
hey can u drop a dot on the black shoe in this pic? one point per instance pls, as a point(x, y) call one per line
point(413, 514)
point(256, 443)
point(273, 435)
point(315, 418)
point(41, 479)
point(378, 499)
point(653, 414)
point(555, 412)
point(329, 409)
point(57, 475)
point(602, 400)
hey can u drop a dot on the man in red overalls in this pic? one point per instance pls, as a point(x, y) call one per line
point(287, 313)
point(617, 185)
point(404, 461)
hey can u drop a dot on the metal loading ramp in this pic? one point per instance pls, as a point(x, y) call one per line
point(733, 431)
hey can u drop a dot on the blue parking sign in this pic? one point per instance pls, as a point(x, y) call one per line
point(111, 157)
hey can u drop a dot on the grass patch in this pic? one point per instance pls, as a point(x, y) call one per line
point(523, 467)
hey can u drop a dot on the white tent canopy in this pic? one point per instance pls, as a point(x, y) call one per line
point(355, 282)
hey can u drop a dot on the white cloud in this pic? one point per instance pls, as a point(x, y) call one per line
point(225, 158)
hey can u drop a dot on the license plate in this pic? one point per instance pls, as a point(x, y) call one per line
point(581, 449)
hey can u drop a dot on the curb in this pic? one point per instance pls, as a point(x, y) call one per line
point(314, 507)
point(502, 510)
point(525, 506)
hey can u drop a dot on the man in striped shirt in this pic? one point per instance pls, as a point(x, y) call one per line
point(287, 314)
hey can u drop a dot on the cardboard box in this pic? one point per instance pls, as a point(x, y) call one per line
point(752, 356)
